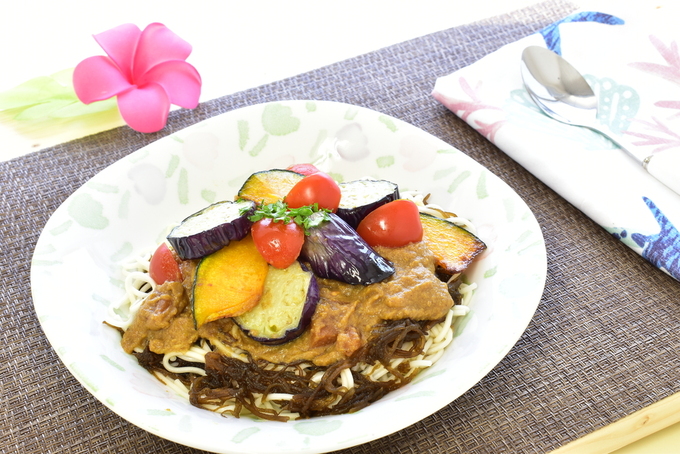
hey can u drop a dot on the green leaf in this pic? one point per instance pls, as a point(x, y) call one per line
point(77, 108)
point(43, 110)
point(49, 97)
point(280, 212)
point(35, 91)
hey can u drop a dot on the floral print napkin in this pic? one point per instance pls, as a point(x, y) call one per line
point(629, 55)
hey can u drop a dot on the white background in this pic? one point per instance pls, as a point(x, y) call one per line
point(236, 44)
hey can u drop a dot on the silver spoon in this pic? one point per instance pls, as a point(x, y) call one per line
point(562, 93)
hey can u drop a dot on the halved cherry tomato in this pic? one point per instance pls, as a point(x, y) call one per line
point(316, 188)
point(303, 169)
point(394, 224)
point(278, 243)
point(163, 266)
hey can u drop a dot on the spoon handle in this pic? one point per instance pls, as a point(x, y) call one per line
point(665, 167)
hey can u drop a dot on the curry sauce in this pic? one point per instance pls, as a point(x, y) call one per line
point(345, 317)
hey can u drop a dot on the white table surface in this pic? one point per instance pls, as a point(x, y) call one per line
point(237, 45)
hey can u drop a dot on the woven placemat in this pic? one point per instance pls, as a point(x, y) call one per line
point(603, 342)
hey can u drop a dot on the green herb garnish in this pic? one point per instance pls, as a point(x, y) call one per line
point(280, 212)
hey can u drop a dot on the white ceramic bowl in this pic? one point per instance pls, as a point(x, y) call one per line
point(126, 208)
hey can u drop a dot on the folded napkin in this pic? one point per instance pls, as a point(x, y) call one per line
point(629, 55)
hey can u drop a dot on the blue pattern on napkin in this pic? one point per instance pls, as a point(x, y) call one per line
point(551, 33)
point(662, 249)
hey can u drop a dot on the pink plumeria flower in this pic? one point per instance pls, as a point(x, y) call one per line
point(146, 70)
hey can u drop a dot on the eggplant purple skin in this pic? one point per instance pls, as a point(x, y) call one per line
point(212, 240)
point(308, 309)
point(354, 215)
point(334, 250)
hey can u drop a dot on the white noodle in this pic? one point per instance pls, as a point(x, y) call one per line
point(347, 379)
point(428, 342)
point(436, 346)
point(196, 354)
point(231, 352)
point(167, 363)
point(317, 377)
point(436, 210)
point(442, 331)
point(279, 396)
point(138, 284)
point(434, 358)
point(420, 363)
point(174, 385)
point(460, 310)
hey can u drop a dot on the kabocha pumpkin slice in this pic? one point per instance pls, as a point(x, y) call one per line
point(269, 186)
point(228, 282)
point(454, 247)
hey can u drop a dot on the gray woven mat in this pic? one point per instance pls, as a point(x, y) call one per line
point(602, 344)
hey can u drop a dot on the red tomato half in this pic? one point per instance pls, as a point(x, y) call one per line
point(394, 224)
point(316, 188)
point(163, 266)
point(303, 169)
point(278, 243)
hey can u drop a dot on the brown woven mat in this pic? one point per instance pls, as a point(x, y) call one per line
point(603, 343)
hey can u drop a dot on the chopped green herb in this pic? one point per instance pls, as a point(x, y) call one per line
point(280, 212)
